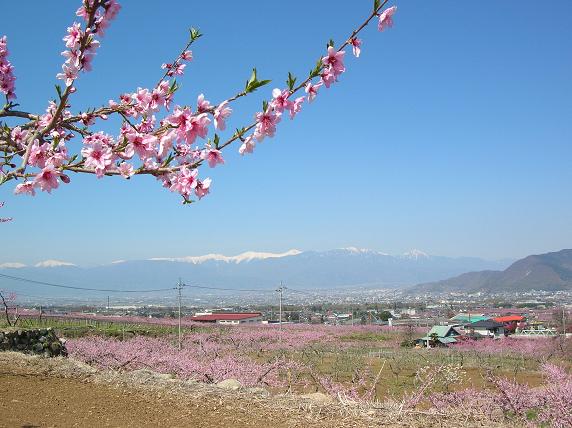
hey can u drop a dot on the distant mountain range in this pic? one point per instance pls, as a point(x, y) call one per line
point(347, 267)
point(550, 272)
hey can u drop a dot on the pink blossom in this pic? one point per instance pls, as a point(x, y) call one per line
point(203, 105)
point(38, 154)
point(88, 54)
point(82, 13)
point(212, 156)
point(203, 187)
point(247, 145)
point(47, 179)
point(184, 181)
point(265, 124)
point(142, 100)
point(87, 119)
point(386, 18)
point(72, 57)
point(221, 113)
point(59, 155)
point(142, 144)
point(7, 78)
point(125, 99)
point(312, 90)
point(296, 107)
point(69, 74)
point(97, 156)
point(186, 153)
point(160, 95)
point(187, 56)
point(99, 137)
point(356, 46)
point(126, 169)
point(112, 8)
point(189, 127)
point(166, 143)
point(281, 101)
point(334, 61)
point(27, 187)
point(327, 77)
point(74, 36)
point(147, 125)
point(150, 164)
point(174, 69)
point(19, 136)
point(198, 127)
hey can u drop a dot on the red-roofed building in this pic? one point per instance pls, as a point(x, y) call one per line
point(232, 318)
point(511, 322)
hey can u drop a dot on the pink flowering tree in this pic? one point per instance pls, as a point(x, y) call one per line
point(170, 140)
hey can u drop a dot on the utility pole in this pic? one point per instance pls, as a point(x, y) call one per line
point(108, 303)
point(564, 320)
point(180, 288)
point(281, 291)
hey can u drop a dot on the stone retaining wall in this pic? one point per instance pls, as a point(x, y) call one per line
point(38, 341)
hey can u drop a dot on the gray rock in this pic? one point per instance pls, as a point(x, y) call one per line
point(231, 384)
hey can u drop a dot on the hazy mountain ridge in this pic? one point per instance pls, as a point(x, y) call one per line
point(549, 271)
point(345, 267)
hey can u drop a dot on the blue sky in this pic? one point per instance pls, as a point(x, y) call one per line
point(452, 133)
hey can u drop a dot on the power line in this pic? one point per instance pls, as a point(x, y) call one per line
point(107, 290)
point(244, 289)
point(71, 287)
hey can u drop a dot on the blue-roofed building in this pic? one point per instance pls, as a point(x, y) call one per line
point(439, 335)
point(467, 318)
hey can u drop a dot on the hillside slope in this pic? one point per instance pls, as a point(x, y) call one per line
point(550, 272)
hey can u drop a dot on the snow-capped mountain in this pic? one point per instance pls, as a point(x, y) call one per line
point(243, 257)
point(52, 263)
point(344, 267)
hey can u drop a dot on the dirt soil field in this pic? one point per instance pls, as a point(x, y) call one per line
point(38, 392)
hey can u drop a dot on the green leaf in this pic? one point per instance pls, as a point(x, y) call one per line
point(168, 160)
point(59, 91)
point(195, 34)
point(216, 140)
point(253, 83)
point(291, 81)
point(376, 4)
point(264, 105)
point(260, 83)
point(239, 132)
point(330, 43)
point(317, 69)
point(252, 79)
